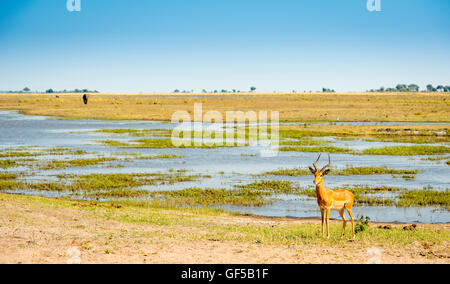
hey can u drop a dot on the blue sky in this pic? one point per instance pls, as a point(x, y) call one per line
point(282, 45)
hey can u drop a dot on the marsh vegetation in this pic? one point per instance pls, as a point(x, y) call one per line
point(92, 162)
point(348, 171)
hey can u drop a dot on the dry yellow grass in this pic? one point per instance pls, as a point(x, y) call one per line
point(413, 107)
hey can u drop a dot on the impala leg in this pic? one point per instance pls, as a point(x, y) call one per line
point(323, 220)
point(353, 221)
point(328, 223)
point(342, 213)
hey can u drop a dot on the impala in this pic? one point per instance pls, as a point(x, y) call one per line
point(328, 199)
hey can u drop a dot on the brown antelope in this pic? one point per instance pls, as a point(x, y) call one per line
point(328, 199)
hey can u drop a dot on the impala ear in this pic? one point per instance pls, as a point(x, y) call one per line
point(326, 172)
point(312, 170)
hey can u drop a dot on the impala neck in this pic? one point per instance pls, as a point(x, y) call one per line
point(320, 189)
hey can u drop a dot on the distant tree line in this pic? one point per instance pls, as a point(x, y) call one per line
point(49, 91)
point(24, 90)
point(412, 88)
point(439, 88)
point(206, 91)
point(252, 89)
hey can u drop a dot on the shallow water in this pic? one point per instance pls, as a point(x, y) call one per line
point(227, 166)
point(290, 206)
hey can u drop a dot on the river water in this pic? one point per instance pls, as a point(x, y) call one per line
point(228, 166)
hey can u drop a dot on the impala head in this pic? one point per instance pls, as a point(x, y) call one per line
point(319, 174)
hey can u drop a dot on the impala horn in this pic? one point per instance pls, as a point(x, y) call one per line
point(314, 165)
point(327, 165)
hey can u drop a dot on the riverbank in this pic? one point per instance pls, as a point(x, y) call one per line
point(302, 107)
point(49, 230)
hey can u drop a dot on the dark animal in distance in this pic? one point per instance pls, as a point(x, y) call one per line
point(85, 99)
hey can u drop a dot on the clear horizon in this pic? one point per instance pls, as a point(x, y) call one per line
point(159, 46)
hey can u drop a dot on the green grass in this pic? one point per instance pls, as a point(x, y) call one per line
point(298, 144)
point(191, 197)
point(365, 189)
point(248, 155)
point(210, 134)
point(64, 151)
point(111, 186)
point(7, 176)
point(8, 181)
point(272, 187)
point(407, 150)
point(17, 154)
point(154, 143)
point(396, 133)
point(108, 182)
point(115, 181)
point(434, 159)
point(303, 142)
point(301, 134)
point(119, 193)
point(318, 149)
point(438, 159)
point(168, 133)
point(255, 194)
point(151, 144)
point(113, 143)
point(342, 172)
point(409, 139)
point(62, 164)
point(310, 192)
point(164, 143)
point(104, 183)
point(424, 197)
point(373, 201)
point(188, 136)
point(391, 150)
point(8, 163)
point(137, 133)
point(8, 184)
point(124, 186)
point(409, 176)
point(162, 156)
point(208, 197)
point(371, 171)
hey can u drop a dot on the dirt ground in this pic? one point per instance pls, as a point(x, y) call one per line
point(36, 232)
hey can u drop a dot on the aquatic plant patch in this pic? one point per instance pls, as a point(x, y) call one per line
point(319, 149)
point(407, 150)
point(348, 171)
